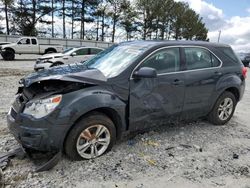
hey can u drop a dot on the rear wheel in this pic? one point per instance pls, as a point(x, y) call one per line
point(223, 109)
point(91, 137)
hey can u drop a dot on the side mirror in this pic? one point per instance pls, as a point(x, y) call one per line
point(145, 72)
point(19, 42)
point(73, 54)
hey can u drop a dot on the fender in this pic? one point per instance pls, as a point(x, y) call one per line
point(224, 83)
point(8, 48)
point(87, 100)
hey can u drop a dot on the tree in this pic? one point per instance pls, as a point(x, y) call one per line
point(193, 28)
point(101, 17)
point(128, 19)
point(147, 10)
point(28, 14)
point(115, 8)
point(187, 24)
point(165, 11)
point(7, 4)
point(1, 27)
point(86, 13)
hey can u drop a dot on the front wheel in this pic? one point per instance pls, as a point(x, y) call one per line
point(223, 109)
point(8, 55)
point(91, 137)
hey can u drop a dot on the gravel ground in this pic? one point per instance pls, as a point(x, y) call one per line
point(195, 154)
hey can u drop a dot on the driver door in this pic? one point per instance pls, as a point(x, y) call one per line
point(24, 46)
point(155, 101)
point(79, 55)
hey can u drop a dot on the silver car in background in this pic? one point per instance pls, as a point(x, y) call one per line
point(71, 55)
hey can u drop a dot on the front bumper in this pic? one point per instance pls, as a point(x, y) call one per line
point(31, 133)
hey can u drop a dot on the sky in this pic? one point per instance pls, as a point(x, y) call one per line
point(231, 17)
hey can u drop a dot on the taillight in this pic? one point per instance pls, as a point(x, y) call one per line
point(244, 72)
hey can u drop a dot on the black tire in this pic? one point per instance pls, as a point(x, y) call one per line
point(88, 121)
point(3, 55)
point(213, 116)
point(8, 55)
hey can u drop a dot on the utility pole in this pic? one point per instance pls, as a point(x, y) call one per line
point(219, 36)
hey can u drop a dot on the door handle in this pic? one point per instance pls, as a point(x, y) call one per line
point(177, 82)
point(218, 73)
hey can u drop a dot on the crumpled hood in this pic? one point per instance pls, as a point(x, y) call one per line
point(52, 55)
point(77, 72)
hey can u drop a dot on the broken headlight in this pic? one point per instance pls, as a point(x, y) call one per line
point(42, 107)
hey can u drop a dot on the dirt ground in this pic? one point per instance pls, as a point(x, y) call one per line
point(195, 154)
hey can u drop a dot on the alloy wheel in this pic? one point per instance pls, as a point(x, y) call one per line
point(225, 109)
point(93, 141)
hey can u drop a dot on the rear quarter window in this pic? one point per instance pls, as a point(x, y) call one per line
point(227, 51)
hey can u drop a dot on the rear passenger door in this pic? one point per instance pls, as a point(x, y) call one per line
point(201, 75)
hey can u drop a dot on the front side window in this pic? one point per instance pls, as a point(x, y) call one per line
point(199, 58)
point(83, 51)
point(24, 41)
point(164, 61)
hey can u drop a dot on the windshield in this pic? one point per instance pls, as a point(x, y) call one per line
point(115, 59)
point(67, 50)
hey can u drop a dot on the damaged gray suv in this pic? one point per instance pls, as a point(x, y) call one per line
point(82, 109)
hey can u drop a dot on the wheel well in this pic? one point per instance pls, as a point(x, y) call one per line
point(234, 91)
point(109, 112)
point(10, 49)
point(50, 49)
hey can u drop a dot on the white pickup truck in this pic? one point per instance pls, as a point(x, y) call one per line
point(27, 45)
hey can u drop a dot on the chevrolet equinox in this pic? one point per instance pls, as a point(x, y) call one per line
point(83, 108)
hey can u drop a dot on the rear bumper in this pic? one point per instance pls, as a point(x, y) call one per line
point(39, 134)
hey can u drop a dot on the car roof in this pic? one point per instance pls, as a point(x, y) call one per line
point(174, 43)
point(79, 47)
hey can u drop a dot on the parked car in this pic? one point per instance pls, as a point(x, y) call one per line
point(27, 45)
point(245, 58)
point(69, 56)
point(82, 109)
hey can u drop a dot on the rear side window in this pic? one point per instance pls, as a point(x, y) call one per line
point(199, 58)
point(94, 51)
point(84, 51)
point(164, 61)
point(33, 41)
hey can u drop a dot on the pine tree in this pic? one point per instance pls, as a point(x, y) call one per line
point(27, 14)
point(128, 19)
point(7, 6)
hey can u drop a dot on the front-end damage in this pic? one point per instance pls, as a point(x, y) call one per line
point(44, 133)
